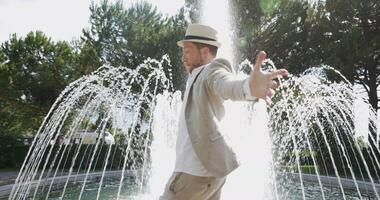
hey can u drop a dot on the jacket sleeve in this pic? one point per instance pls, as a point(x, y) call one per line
point(224, 83)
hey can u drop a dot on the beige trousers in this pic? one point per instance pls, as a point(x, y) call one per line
point(182, 186)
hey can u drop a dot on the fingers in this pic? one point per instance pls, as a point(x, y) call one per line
point(270, 93)
point(273, 85)
point(268, 100)
point(278, 73)
point(259, 60)
point(268, 96)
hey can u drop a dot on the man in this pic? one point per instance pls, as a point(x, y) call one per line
point(203, 157)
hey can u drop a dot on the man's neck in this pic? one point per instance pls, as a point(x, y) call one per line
point(194, 69)
point(202, 64)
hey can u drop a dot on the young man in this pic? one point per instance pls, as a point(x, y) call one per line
point(203, 157)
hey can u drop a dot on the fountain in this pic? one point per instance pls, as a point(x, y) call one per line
point(317, 116)
point(313, 123)
point(117, 102)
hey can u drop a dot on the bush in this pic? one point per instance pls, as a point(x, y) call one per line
point(13, 151)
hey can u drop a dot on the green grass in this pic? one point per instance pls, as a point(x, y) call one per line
point(9, 169)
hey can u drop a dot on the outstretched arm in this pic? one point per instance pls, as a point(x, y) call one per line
point(222, 81)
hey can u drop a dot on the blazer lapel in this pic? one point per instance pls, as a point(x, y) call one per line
point(191, 84)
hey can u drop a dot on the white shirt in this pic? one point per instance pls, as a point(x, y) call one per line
point(186, 159)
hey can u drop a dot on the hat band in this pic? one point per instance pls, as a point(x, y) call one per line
point(193, 37)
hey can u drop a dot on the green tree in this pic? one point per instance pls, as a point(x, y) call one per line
point(33, 72)
point(284, 29)
point(126, 37)
point(299, 34)
point(352, 28)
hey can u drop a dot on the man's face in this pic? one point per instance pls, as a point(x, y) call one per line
point(191, 56)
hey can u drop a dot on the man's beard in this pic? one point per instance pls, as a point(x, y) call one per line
point(199, 63)
point(194, 66)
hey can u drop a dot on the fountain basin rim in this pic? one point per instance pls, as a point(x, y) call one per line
point(5, 190)
point(332, 181)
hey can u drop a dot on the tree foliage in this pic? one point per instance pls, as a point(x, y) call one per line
point(34, 71)
point(354, 28)
point(126, 37)
point(300, 34)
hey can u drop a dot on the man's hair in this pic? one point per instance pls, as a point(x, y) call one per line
point(213, 49)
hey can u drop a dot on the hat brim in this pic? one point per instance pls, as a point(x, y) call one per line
point(212, 43)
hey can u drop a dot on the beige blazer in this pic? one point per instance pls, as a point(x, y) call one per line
point(204, 110)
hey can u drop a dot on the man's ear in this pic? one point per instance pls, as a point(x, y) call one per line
point(205, 51)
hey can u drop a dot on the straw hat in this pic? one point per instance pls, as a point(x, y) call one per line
point(201, 34)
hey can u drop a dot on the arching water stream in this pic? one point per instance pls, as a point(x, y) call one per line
point(111, 135)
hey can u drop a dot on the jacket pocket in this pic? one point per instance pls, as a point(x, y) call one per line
point(216, 135)
point(178, 183)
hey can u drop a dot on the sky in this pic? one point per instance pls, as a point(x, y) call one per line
point(58, 19)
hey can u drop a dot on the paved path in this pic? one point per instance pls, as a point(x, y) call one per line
point(8, 177)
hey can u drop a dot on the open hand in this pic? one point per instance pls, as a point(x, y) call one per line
point(262, 84)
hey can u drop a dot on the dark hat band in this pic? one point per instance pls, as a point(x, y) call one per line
point(193, 37)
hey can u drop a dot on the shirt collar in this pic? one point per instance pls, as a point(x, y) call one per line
point(196, 70)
